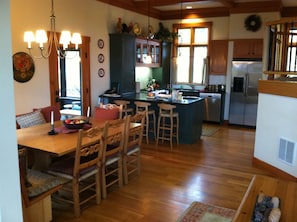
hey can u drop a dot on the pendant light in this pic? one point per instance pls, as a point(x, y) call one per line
point(41, 38)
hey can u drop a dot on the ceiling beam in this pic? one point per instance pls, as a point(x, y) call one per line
point(141, 7)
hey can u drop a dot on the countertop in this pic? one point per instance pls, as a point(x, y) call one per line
point(142, 96)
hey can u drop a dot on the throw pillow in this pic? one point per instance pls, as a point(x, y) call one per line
point(30, 119)
point(46, 111)
point(106, 114)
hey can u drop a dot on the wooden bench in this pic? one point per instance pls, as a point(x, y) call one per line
point(285, 190)
point(36, 189)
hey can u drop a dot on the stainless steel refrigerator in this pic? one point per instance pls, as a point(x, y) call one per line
point(244, 92)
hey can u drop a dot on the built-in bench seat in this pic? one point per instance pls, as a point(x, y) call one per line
point(285, 190)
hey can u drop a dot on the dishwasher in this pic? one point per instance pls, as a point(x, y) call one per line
point(212, 106)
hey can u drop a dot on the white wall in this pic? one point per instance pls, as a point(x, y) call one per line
point(276, 118)
point(10, 201)
point(89, 17)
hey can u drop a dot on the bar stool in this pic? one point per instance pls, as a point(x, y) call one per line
point(168, 124)
point(125, 109)
point(150, 118)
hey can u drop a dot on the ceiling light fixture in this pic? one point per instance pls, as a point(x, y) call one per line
point(41, 38)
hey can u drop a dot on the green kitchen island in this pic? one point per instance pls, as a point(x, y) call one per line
point(190, 111)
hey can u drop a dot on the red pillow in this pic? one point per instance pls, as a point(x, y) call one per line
point(106, 114)
point(46, 112)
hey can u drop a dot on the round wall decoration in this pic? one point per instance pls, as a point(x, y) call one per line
point(253, 23)
point(101, 58)
point(23, 67)
point(100, 43)
point(101, 72)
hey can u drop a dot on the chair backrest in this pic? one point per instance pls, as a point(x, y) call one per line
point(141, 106)
point(124, 103)
point(166, 108)
point(134, 134)
point(114, 137)
point(89, 149)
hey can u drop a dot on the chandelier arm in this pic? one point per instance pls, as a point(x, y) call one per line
point(52, 40)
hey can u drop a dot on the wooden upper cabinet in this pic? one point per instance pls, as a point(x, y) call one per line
point(248, 49)
point(218, 57)
point(146, 47)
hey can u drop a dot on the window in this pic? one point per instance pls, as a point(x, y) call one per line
point(191, 52)
point(292, 46)
point(69, 74)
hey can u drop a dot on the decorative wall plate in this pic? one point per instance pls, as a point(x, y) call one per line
point(100, 43)
point(23, 67)
point(101, 58)
point(101, 72)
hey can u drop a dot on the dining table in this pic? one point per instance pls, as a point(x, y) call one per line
point(45, 146)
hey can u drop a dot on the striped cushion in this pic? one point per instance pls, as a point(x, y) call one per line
point(30, 119)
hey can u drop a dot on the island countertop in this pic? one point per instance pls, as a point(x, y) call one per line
point(142, 96)
point(190, 109)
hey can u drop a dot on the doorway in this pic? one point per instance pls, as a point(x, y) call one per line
point(84, 100)
point(69, 76)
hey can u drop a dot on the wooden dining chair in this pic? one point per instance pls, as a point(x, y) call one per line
point(132, 146)
point(36, 189)
point(112, 161)
point(82, 169)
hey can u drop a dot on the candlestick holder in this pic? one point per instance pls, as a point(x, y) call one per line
point(53, 131)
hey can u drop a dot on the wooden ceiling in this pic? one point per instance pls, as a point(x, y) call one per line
point(176, 9)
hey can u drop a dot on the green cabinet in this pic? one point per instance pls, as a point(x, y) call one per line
point(122, 62)
point(162, 74)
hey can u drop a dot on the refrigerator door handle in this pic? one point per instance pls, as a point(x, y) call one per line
point(246, 84)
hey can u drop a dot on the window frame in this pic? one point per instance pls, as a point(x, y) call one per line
point(192, 45)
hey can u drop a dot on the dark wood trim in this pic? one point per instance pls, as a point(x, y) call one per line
point(141, 7)
point(275, 171)
point(85, 66)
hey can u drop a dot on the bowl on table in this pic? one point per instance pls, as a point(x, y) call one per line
point(74, 123)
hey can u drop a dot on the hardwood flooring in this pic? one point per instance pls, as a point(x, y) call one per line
point(216, 170)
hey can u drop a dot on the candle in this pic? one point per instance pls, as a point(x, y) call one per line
point(52, 117)
point(88, 112)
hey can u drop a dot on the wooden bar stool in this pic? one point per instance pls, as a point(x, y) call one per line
point(150, 118)
point(168, 124)
point(125, 109)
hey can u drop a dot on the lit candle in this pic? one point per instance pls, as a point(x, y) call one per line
point(88, 112)
point(52, 117)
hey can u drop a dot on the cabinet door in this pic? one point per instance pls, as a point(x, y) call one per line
point(218, 57)
point(122, 62)
point(248, 48)
point(144, 48)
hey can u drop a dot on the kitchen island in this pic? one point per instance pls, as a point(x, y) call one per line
point(190, 111)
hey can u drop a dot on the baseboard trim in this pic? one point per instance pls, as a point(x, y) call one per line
point(275, 171)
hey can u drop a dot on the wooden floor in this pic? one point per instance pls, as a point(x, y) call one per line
point(215, 170)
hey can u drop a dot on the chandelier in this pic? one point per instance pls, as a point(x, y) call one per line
point(41, 38)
